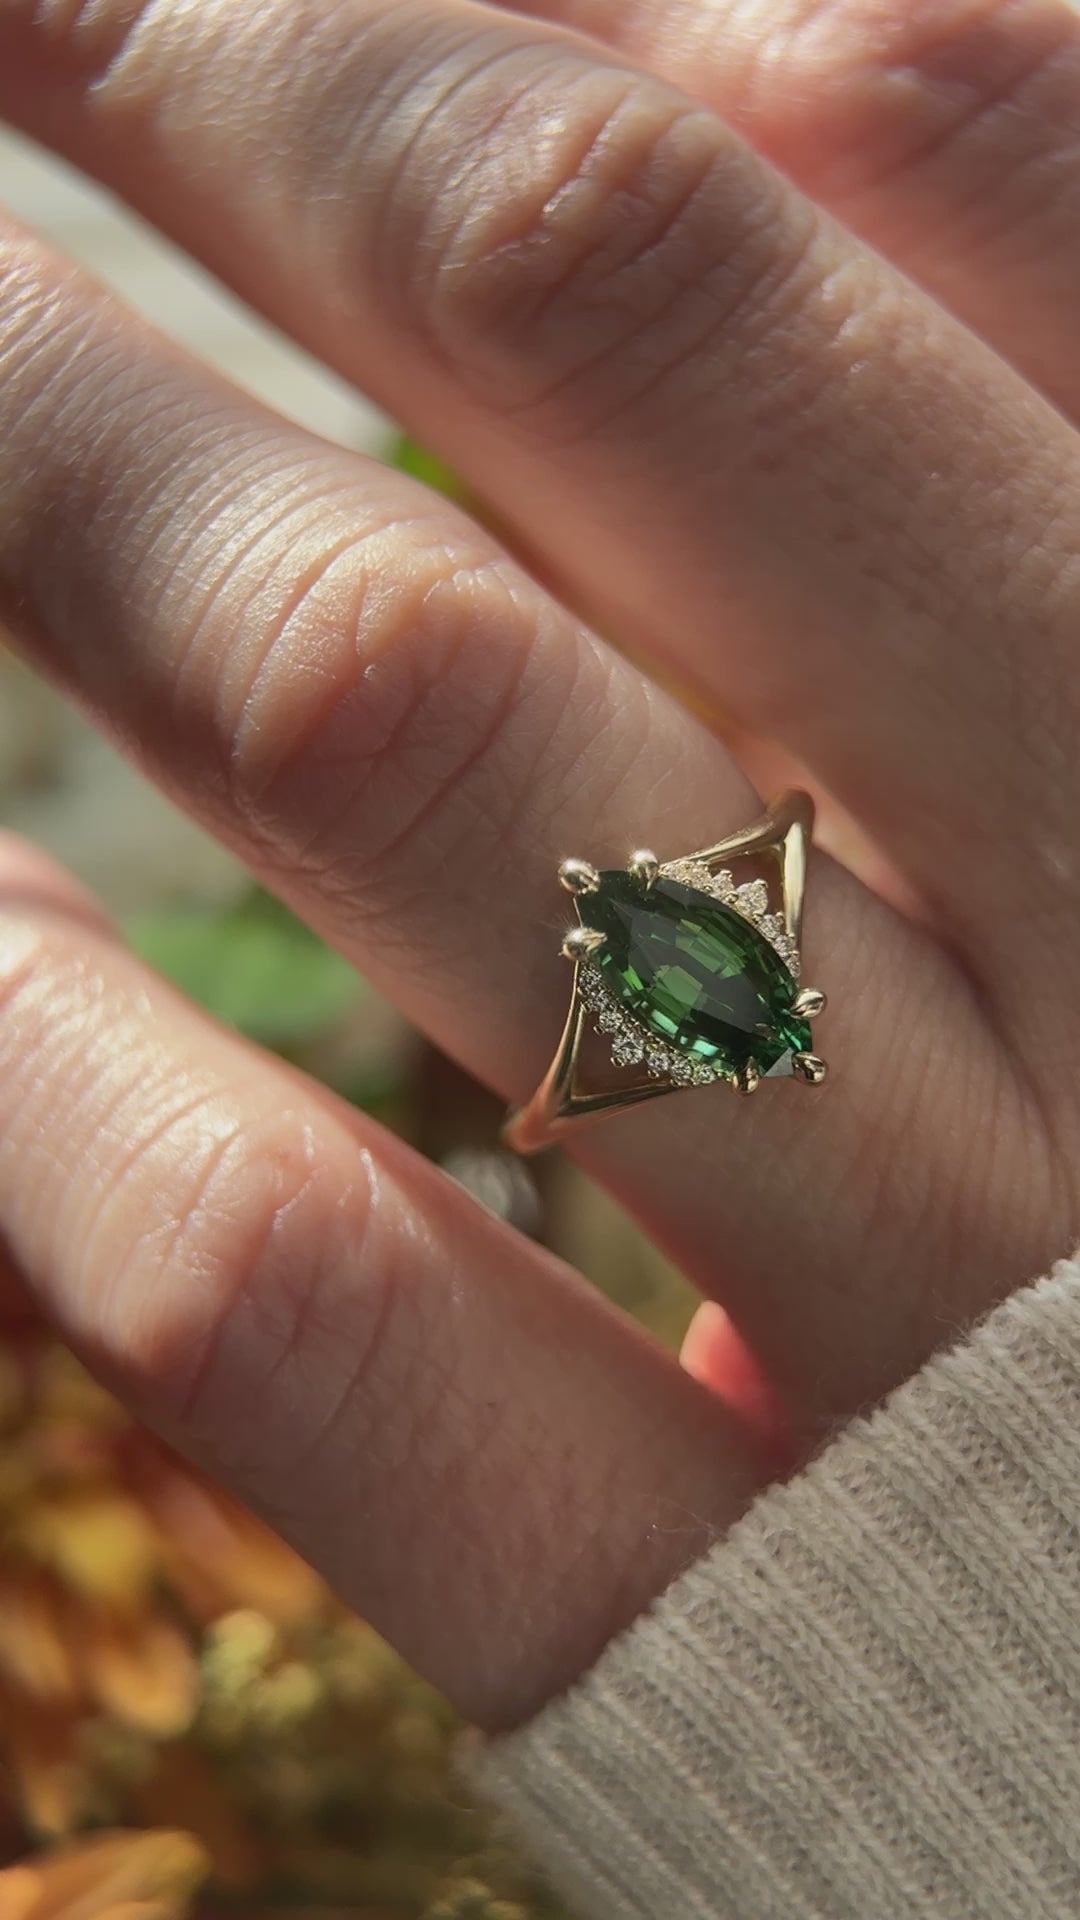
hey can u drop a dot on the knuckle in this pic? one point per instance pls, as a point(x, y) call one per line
point(383, 676)
point(228, 1235)
point(850, 93)
point(587, 216)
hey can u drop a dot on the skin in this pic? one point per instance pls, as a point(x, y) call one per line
point(831, 485)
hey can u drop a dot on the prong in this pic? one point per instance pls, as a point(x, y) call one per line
point(747, 1078)
point(809, 1003)
point(644, 866)
point(578, 877)
point(580, 942)
point(810, 1068)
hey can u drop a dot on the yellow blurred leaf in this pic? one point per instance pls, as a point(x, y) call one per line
point(66, 1392)
point(143, 1671)
point(100, 1543)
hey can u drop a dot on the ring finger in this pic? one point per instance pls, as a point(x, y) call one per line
point(395, 727)
point(684, 382)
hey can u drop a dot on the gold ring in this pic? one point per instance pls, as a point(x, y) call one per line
point(687, 975)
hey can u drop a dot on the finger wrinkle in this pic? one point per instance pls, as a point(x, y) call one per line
point(852, 93)
point(390, 683)
point(363, 591)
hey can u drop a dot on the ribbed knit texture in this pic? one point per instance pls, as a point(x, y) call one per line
point(864, 1704)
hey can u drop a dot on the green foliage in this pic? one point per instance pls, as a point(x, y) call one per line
point(254, 965)
point(410, 457)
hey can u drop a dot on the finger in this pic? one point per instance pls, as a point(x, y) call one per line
point(714, 1353)
point(402, 735)
point(486, 1460)
point(946, 131)
point(554, 271)
point(26, 875)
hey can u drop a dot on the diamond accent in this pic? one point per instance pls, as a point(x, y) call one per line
point(591, 988)
point(628, 1049)
point(753, 898)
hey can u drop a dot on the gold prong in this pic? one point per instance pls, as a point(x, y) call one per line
point(578, 877)
point(644, 866)
point(580, 942)
point(810, 1068)
point(747, 1078)
point(808, 1003)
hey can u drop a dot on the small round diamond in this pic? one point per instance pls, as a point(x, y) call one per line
point(628, 1049)
point(682, 1071)
point(704, 1075)
point(658, 1061)
point(609, 1019)
point(591, 989)
point(754, 896)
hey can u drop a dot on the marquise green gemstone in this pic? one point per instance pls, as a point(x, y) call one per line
point(696, 973)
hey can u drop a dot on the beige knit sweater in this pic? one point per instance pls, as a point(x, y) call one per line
point(864, 1704)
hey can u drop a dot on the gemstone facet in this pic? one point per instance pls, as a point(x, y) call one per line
point(691, 970)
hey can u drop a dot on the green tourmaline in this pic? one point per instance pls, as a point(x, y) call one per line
point(694, 972)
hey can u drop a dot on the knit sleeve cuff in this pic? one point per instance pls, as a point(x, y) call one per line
point(865, 1701)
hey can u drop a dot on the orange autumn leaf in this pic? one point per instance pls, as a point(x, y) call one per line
point(19, 1890)
point(41, 1754)
point(142, 1670)
point(218, 1557)
point(140, 1910)
point(137, 1874)
point(35, 1639)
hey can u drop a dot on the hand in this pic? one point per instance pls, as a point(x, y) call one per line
point(762, 455)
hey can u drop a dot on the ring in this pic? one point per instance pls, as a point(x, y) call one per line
point(686, 975)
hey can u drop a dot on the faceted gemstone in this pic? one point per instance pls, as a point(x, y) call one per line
point(695, 973)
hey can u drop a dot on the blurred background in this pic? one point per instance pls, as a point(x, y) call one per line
point(190, 1724)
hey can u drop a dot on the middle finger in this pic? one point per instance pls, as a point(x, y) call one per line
point(403, 735)
point(751, 443)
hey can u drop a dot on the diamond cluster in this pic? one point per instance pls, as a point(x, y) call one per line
point(632, 1044)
